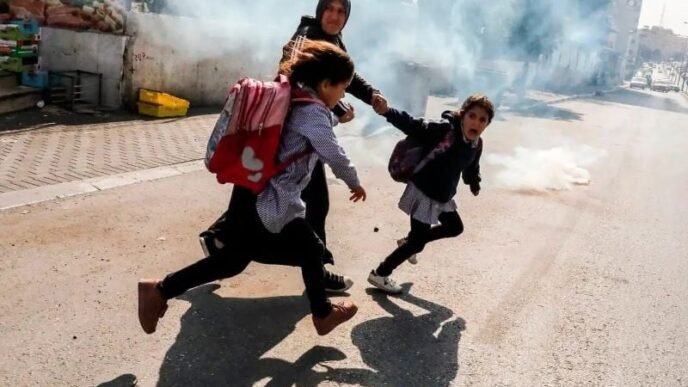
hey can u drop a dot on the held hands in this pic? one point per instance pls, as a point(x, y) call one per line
point(358, 193)
point(348, 113)
point(379, 103)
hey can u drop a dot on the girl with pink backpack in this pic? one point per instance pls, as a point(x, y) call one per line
point(270, 226)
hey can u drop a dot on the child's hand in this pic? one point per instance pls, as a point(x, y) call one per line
point(348, 112)
point(358, 193)
point(475, 189)
point(379, 103)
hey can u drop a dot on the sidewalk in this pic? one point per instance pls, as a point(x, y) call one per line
point(37, 156)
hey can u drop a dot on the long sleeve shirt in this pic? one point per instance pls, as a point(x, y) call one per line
point(309, 127)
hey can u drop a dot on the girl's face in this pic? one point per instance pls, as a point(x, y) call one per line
point(331, 93)
point(474, 122)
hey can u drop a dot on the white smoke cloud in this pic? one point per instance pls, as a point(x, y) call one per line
point(539, 170)
point(460, 45)
point(211, 29)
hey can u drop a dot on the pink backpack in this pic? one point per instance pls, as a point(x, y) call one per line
point(243, 145)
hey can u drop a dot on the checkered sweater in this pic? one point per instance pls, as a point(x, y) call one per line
point(309, 126)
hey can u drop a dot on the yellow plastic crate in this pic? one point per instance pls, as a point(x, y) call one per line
point(159, 98)
point(160, 111)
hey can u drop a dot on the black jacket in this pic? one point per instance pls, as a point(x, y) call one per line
point(310, 28)
point(439, 179)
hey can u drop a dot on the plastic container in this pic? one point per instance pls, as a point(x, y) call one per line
point(19, 52)
point(27, 27)
point(159, 98)
point(38, 79)
point(161, 111)
point(19, 65)
point(10, 32)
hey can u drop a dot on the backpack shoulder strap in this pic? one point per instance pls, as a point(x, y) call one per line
point(440, 148)
point(299, 95)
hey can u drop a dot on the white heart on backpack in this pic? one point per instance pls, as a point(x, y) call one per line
point(255, 177)
point(249, 160)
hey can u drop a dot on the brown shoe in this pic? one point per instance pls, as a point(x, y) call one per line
point(152, 305)
point(341, 312)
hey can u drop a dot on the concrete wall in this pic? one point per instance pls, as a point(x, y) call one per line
point(101, 53)
point(200, 73)
point(567, 68)
point(150, 57)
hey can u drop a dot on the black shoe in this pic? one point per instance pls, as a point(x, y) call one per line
point(209, 243)
point(328, 258)
point(335, 283)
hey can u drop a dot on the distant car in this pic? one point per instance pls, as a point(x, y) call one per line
point(675, 88)
point(662, 86)
point(638, 82)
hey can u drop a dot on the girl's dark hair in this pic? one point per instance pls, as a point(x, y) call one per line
point(315, 61)
point(478, 100)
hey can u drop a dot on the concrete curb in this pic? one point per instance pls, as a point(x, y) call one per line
point(559, 100)
point(58, 191)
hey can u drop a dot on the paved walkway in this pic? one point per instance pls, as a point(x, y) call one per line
point(62, 153)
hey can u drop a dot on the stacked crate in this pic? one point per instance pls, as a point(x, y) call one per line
point(19, 51)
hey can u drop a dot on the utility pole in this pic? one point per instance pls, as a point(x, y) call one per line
point(681, 59)
point(684, 64)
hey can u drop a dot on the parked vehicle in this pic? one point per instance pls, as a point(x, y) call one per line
point(661, 85)
point(638, 82)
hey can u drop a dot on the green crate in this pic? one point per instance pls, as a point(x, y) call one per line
point(14, 32)
point(18, 65)
point(11, 32)
point(19, 52)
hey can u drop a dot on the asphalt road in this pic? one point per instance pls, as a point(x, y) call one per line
point(584, 285)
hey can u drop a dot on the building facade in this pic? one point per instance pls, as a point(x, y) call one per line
point(625, 15)
point(661, 44)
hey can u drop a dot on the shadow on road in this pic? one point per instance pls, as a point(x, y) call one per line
point(646, 99)
point(549, 112)
point(126, 380)
point(222, 340)
point(405, 350)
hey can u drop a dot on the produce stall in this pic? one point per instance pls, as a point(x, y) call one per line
point(88, 15)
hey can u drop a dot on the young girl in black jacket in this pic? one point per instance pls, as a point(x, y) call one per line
point(455, 147)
